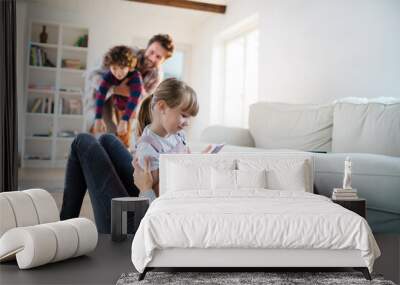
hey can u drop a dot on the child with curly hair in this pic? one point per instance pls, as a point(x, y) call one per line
point(120, 62)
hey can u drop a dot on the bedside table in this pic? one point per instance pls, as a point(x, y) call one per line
point(358, 206)
point(119, 209)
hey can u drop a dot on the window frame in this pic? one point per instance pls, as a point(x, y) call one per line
point(240, 33)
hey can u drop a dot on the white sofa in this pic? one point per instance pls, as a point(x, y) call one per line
point(368, 132)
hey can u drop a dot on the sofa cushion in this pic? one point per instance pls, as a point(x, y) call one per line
point(366, 128)
point(291, 126)
point(227, 135)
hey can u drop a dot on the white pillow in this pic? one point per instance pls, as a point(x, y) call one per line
point(251, 178)
point(288, 177)
point(282, 174)
point(236, 179)
point(223, 179)
point(182, 177)
point(190, 172)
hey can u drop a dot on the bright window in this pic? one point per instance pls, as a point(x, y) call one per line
point(174, 66)
point(240, 78)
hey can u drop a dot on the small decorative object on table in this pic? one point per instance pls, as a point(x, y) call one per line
point(119, 209)
point(347, 196)
point(43, 35)
point(347, 192)
point(347, 174)
point(82, 41)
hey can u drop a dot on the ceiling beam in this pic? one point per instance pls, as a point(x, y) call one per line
point(187, 5)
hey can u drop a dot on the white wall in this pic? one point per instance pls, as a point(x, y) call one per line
point(320, 50)
point(311, 51)
point(112, 22)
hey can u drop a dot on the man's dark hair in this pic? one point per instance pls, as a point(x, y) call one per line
point(165, 41)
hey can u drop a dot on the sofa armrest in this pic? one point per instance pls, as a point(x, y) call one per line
point(228, 135)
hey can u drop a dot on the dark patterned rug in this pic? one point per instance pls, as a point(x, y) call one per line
point(229, 278)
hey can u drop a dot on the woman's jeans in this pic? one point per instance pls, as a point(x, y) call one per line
point(104, 168)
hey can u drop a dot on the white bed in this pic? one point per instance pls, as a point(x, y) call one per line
point(219, 211)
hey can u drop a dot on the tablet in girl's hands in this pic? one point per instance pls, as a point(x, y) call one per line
point(216, 148)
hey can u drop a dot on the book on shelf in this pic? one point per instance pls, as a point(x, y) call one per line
point(50, 106)
point(70, 106)
point(75, 106)
point(344, 198)
point(344, 194)
point(32, 56)
point(36, 105)
point(41, 87)
point(42, 105)
point(341, 190)
point(67, 134)
point(71, 63)
point(71, 89)
point(45, 135)
point(37, 157)
point(38, 57)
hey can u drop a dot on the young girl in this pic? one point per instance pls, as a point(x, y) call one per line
point(161, 120)
point(104, 166)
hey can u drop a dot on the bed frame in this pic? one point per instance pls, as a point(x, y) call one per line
point(246, 258)
point(242, 259)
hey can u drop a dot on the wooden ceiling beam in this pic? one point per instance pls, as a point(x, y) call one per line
point(213, 8)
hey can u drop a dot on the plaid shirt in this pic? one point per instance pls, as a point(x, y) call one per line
point(151, 78)
point(127, 104)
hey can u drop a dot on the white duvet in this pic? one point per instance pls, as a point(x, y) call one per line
point(250, 218)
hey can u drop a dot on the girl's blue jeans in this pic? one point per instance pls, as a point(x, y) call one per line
point(103, 167)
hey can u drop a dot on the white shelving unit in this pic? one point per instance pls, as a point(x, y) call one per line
point(57, 92)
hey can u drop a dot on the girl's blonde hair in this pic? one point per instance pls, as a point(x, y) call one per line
point(175, 93)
